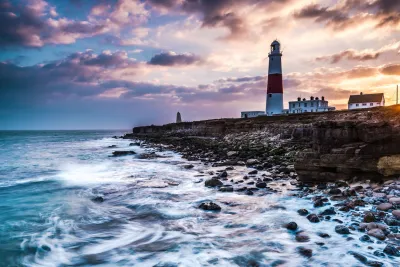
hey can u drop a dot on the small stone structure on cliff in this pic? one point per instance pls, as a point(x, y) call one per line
point(178, 117)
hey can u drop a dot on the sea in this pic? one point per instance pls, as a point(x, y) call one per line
point(66, 201)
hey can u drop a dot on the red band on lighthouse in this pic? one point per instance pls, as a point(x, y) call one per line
point(275, 84)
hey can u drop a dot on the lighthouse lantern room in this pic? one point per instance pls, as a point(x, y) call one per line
point(274, 102)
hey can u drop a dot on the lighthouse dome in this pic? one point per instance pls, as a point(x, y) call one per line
point(275, 42)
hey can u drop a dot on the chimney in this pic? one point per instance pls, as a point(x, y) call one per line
point(298, 99)
point(361, 93)
point(304, 99)
point(317, 98)
point(323, 98)
point(311, 98)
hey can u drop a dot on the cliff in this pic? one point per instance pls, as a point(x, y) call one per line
point(329, 146)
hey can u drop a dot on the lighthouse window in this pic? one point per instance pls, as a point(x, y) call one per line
point(270, 95)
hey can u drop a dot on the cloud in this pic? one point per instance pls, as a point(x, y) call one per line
point(350, 54)
point(391, 69)
point(174, 59)
point(352, 13)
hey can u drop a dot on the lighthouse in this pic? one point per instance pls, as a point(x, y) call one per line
point(274, 104)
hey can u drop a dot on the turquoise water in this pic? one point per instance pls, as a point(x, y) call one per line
point(150, 215)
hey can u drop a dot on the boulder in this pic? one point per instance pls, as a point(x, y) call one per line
point(306, 252)
point(384, 206)
point(313, 218)
point(291, 226)
point(210, 206)
point(377, 233)
point(213, 182)
point(302, 212)
point(252, 162)
point(341, 229)
point(396, 213)
point(253, 172)
point(232, 153)
point(302, 237)
point(329, 211)
point(335, 191)
point(226, 189)
point(395, 200)
point(391, 250)
point(188, 166)
point(223, 174)
point(123, 153)
point(369, 217)
point(261, 185)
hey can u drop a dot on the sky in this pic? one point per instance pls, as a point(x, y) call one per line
point(115, 64)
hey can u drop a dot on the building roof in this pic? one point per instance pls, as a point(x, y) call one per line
point(368, 98)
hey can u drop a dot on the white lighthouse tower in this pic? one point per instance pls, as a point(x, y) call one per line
point(275, 83)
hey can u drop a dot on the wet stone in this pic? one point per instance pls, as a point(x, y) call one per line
point(226, 189)
point(213, 182)
point(341, 229)
point(313, 218)
point(302, 212)
point(324, 235)
point(306, 252)
point(253, 172)
point(366, 238)
point(291, 226)
point(359, 257)
point(123, 153)
point(384, 206)
point(210, 206)
point(261, 185)
point(391, 250)
point(302, 237)
point(377, 233)
point(329, 211)
point(223, 174)
point(335, 191)
point(369, 217)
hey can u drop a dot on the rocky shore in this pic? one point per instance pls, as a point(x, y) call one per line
point(345, 163)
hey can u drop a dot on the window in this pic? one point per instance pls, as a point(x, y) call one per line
point(312, 104)
point(269, 95)
point(364, 104)
point(299, 104)
point(294, 105)
point(371, 104)
point(305, 105)
point(356, 105)
point(312, 110)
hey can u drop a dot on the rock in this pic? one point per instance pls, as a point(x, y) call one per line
point(231, 153)
point(252, 162)
point(213, 182)
point(359, 257)
point(391, 250)
point(291, 226)
point(151, 155)
point(226, 189)
point(302, 212)
point(112, 146)
point(253, 172)
point(329, 211)
point(321, 186)
point(396, 213)
point(313, 218)
point(223, 174)
point(384, 206)
point(306, 252)
point(318, 203)
point(341, 229)
point(261, 185)
point(369, 217)
point(377, 233)
point(210, 206)
point(324, 235)
point(135, 144)
point(98, 199)
point(188, 166)
point(375, 264)
point(123, 153)
point(249, 193)
point(302, 237)
point(366, 238)
point(395, 200)
point(335, 191)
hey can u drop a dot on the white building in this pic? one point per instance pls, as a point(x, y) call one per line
point(274, 103)
point(311, 105)
point(366, 101)
point(251, 114)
